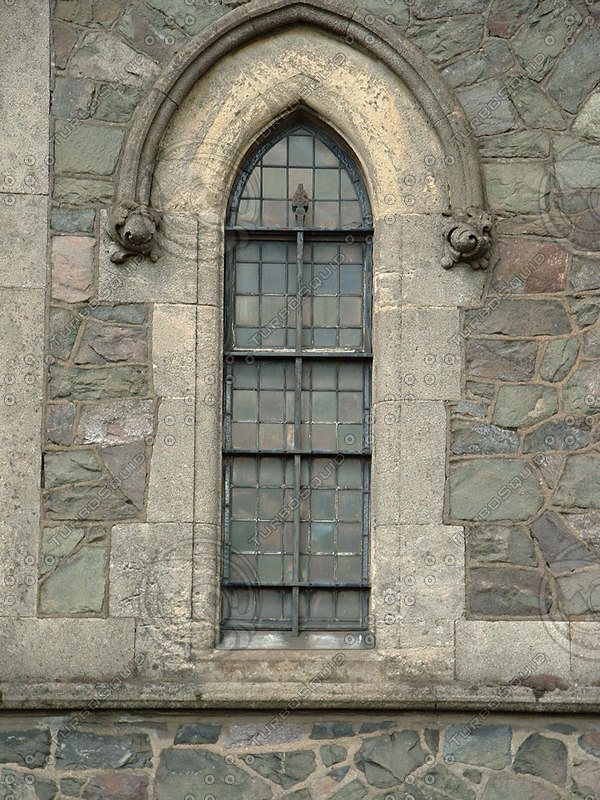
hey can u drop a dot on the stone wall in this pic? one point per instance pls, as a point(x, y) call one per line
point(303, 757)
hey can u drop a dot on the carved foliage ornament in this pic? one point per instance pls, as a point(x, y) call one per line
point(132, 227)
point(467, 238)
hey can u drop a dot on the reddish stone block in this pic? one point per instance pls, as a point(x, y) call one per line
point(529, 266)
point(72, 268)
point(112, 786)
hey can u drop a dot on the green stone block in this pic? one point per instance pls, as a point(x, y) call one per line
point(558, 359)
point(27, 748)
point(332, 754)
point(523, 406)
point(581, 393)
point(96, 383)
point(542, 39)
point(70, 466)
point(57, 543)
point(116, 103)
point(544, 757)
point(77, 585)
point(388, 759)
point(491, 61)
point(579, 486)
point(494, 489)
point(63, 326)
point(82, 192)
point(576, 73)
point(535, 108)
point(517, 188)
point(286, 769)
point(88, 149)
point(517, 144)
point(447, 39)
point(97, 502)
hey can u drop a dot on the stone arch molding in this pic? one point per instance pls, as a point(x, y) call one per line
point(466, 225)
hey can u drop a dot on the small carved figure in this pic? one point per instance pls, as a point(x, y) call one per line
point(468, 239)
point(300, 202)
point(131, 228)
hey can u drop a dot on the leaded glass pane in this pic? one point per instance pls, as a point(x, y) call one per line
point(301, 157)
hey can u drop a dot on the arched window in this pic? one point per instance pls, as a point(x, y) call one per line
point(297, 394)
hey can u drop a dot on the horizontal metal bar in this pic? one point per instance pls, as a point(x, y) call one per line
point(290, 452)
point(299, 584)
point(337, 355)
point(332, 234)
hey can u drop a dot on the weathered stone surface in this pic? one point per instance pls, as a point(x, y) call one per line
point(526, 265)
point(115, 422)
point(111, 786)
point(64, 39)
point(522, 406)
point(88, 502)
point(487, 746)
point(132, 314)
point(558, 359)
point(505, 16)
point(505, 361)
point(70, 466)
point(102, 55)
point(517, 188)
point(486, 390)
point(587, 122)
point(181, 771)
point(494, 59)
point(250, 734)
point(331, 730)
point(72, 98)
point(587, 526)
point(590, 742)
point(467, 408)
point(502, 543)
point(585, 309)
point(577, 166)
point(82, 750)
point(524, 318)
point(542, 756)
point(520, 144)
point(203, 13)
point(128, 466)
point(431, 9)
point(494, 489)
point(579, 593)
point(388, 759)
point(438, 783)
point(562, 551)
point(497, 591)
point(59, 423)
point(591, 344)
point(101, 344)
point(96, 384)
point(332, 754)
point(503, 787)
point(482, 439)
point(72, 259)
point(558, 435)
point(198, 733)
point(71, 787)
point(487, 117)
point(537, 43)
point(576, 73)
point(57, 543)
point(116, 103)
point(448, 39)
point(62, 331)
point(551, 467)
point(579, 483)
point(355, 790)
point(581, 393)
point(27, 748)
point(77, 585)
point(88, 149)
point(585, 778)
point(64, 220)
point(17, 786)
point(150, 32)
point(286, 769)
point(82, 191)
point(536, 109)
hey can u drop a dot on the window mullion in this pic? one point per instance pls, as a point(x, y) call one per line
point(297, 432)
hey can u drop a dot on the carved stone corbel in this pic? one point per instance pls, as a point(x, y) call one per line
point(131, 227)
point(467, 238)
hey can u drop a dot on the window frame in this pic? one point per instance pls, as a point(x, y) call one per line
point(338, 635)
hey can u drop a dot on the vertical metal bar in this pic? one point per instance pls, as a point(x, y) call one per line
point(297, 432)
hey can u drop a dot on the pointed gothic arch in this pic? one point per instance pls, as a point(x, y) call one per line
point(133, 222)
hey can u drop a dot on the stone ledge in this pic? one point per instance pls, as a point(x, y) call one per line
point(249, 697)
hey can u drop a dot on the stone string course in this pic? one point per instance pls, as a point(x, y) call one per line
point(305, 758)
